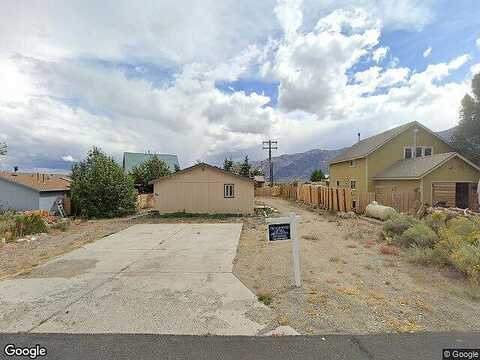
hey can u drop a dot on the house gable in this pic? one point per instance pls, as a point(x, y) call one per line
point(394, 150)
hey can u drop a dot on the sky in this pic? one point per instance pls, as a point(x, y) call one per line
point(209, 79)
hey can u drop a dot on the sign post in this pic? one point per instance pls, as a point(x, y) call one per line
point(284, 229)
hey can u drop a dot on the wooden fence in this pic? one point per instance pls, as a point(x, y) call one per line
point(145, 201)
point(343, 199)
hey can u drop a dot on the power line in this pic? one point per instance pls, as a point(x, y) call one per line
point(270, 145)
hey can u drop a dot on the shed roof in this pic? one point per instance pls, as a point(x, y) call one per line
point(37, 181)
point(370, 144)
point(201, 165)
point(130, 160)
point(419, 167)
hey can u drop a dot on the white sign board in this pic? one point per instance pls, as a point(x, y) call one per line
point(284, 229)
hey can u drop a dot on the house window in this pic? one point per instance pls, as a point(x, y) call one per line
point(408, 153)
point(353, 163)
point(228, 191)
point(338, 183)
point(353, 184)
point(427, 151)
point(419, 152)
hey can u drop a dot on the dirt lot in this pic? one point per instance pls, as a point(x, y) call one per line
point(348, 286)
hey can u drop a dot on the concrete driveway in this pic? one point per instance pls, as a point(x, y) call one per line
point(160, 279)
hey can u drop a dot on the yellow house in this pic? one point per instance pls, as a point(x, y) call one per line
point(204, 188)
point(408, 158)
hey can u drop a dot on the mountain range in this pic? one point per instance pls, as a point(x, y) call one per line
point(299, 166)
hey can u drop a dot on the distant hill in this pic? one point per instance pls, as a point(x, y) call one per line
point(447, 134)
point(300, 166)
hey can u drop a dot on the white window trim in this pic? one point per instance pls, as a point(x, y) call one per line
point(225, 191)
point(421, 151)
point(404, 149)
point(424, 147)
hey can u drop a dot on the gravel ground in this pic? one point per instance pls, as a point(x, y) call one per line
point(348, 286)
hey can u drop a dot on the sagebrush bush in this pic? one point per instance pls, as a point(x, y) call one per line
point(466, 228)
point(467, 259)
point(426, 256)
point(437, 221)
point(397, 224)
point(417, 235)
point(420, 255)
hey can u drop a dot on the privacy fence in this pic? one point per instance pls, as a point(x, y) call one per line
point(341, 199)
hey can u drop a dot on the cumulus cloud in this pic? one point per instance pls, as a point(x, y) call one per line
point(65, 91)
point(379, 54)
point(427, 52)
point(68, 158)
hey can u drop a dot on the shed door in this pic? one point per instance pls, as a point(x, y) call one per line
point(444, 193)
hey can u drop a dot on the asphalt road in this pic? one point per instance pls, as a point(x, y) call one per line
point(124, 346)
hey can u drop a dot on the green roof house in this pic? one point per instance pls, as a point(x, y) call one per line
point(130, 160)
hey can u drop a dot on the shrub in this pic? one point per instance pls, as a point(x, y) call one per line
point(436, 221)
point(100, 189)
point(150, 169)
point(397, 224)
point(417, 235)
point(426, 256)
point(13, 226)
point(265, 297)
point(467, 259)
point(466, 228)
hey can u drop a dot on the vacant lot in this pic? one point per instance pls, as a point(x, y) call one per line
point(348, 285)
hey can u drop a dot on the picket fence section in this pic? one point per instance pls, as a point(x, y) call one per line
point(341, 199)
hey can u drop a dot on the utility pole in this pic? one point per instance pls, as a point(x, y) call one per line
point(270, 145)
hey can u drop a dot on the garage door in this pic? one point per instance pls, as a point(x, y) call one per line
point(444, 192)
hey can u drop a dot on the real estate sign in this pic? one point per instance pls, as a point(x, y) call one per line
point(278, 232)
point(281, 229)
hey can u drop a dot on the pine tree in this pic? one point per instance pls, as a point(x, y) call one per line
point(467, 134)
point(317, 175)
point(228, 164)
point(245, 168)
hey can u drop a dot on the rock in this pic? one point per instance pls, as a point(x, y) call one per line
point(282, 331)
point(346, 215)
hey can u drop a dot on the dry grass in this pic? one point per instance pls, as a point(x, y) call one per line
point(310, 237)
point(349, 291)
point(389, 249)
point(403, 326)
point(334, 259)
point(317, 299)
point(283, 320)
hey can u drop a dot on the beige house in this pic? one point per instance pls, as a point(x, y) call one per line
point(204, 188)
point(405, 159)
